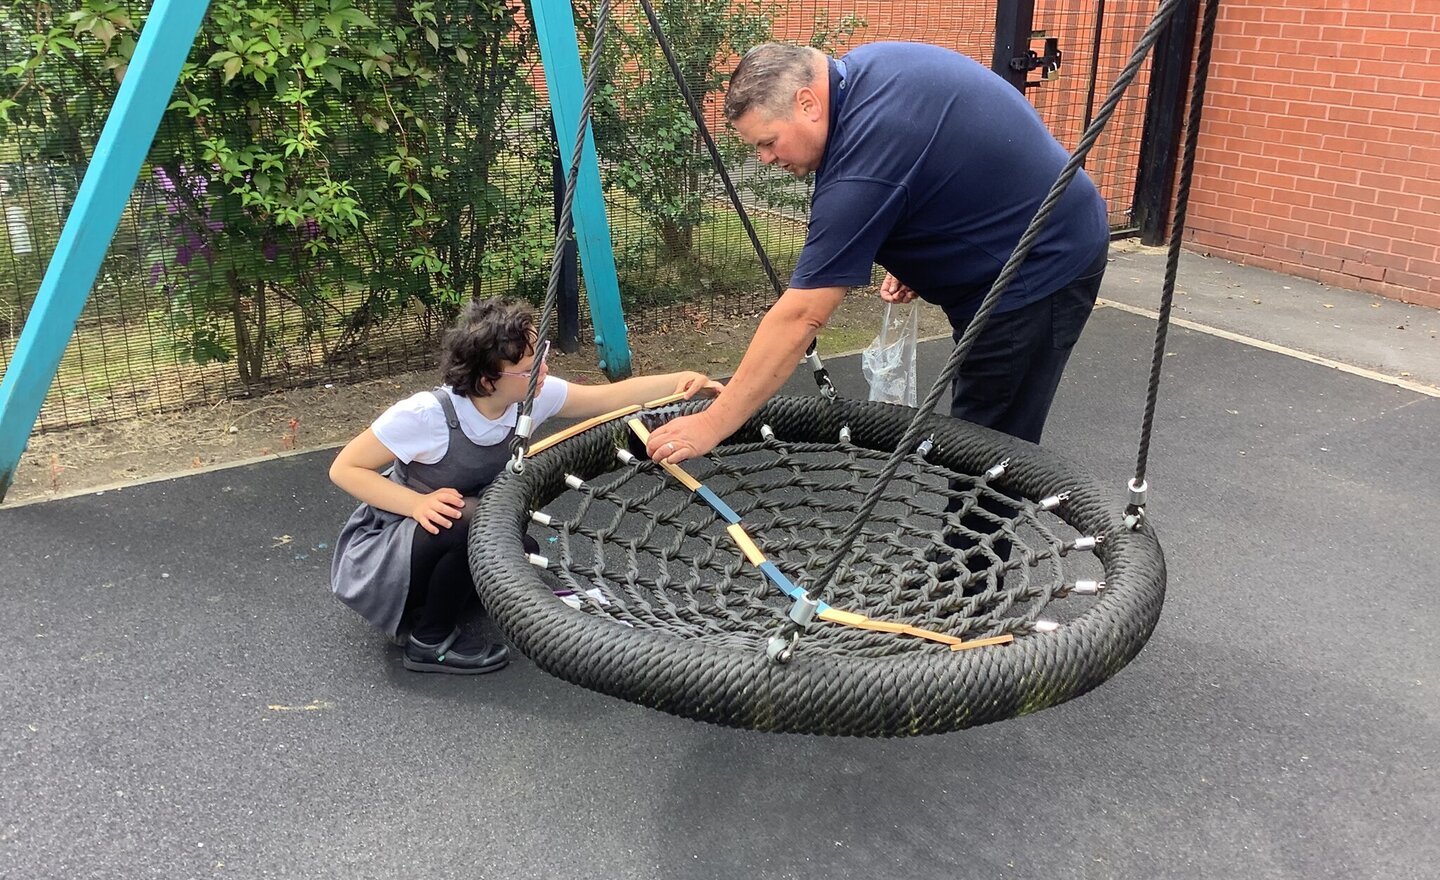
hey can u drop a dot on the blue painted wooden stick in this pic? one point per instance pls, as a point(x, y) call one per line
point(565, 80)
point(150, 79)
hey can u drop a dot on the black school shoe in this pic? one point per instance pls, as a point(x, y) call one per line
point(444, 656)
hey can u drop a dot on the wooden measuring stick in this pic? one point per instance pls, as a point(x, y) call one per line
point(586, 425)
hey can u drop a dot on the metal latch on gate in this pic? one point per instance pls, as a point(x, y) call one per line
point(1048, 64)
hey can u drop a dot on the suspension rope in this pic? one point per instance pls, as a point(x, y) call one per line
point(1177, 233)
point(563, 231)
point(1012, 268)
point(710, 145)
point(822, 375)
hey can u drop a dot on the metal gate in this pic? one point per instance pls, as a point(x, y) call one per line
point(1065, 55)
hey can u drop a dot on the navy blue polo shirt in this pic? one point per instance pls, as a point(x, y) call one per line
point(933, 168)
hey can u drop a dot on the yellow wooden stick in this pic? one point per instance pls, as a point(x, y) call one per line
point(860, 621)
point(747, 544)
point(982, 643)
point(847, 618)
point(664, 400)
point(755, 557)
point(586, 425)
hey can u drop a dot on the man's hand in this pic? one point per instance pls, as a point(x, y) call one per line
point(892, 290)
point(686, 437)
point(438, 510)
point(691, 384)
point(776, 349)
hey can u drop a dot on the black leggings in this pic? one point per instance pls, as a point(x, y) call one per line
point(441, 588)
point(440, 584)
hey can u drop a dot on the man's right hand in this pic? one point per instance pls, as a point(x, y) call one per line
point(893, 290)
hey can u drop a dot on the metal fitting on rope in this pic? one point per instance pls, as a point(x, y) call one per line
point(1045, 626)
point(537, 560)
point(574, 482)
point(925, 446)
point(822, 375)
point(1135, 510)
point(997, 471)
point(844, 433)
point(1053, 501)
point(767, 433)
point(827, 389)
point(803, 611)
point(523, 426)
point(1085, 542)
point(1087, 588)
point(540, 517)
point(781, 647)
point(625, 455)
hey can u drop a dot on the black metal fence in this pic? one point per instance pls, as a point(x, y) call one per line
point(333, 181)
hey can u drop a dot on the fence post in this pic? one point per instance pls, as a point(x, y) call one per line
point(569, 294)
point(560, 57)
point(1165, 110)
point(124, 142)
point(1014, 19)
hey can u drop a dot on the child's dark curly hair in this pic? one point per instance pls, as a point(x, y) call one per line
point(489, 333)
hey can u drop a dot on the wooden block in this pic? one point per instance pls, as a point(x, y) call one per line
point(747, 546)
point(982, 643)
point(846, 618)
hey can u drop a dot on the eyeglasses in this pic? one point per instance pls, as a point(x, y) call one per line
point(542, 351)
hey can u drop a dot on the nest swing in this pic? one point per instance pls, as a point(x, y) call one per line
point(833, 567)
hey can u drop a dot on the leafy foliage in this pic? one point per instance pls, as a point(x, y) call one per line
point(288, 116)
point(653, 149)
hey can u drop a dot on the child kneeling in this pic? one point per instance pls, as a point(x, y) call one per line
point(401, 560)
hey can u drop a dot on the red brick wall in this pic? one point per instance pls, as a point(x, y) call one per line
point(1319, 152)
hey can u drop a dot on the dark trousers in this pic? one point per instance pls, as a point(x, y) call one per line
point(1009, 379)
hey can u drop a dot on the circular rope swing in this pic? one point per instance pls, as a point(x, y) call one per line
point(834, 567)
point(647, 593)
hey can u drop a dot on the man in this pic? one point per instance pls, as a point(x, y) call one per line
point(931, 166)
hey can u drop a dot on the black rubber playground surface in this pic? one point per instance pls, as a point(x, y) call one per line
point(183, 699)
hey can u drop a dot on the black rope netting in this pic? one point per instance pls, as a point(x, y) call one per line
point(641, 549)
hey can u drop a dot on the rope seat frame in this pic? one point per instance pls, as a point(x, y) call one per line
point(733, 683)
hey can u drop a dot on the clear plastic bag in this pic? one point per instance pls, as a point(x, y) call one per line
point(889, 362)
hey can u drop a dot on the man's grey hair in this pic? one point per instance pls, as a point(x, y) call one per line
point(768, 77)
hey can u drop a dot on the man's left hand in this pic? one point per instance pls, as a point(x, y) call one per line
point(893, 290)
point(686, 437)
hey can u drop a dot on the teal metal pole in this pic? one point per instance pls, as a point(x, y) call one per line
point(560, 56)
point(164, 44)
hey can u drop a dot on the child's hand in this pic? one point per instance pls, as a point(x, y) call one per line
point(438, 510)
point(691, 384)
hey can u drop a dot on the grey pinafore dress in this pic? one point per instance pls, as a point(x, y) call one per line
point(371, 568)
